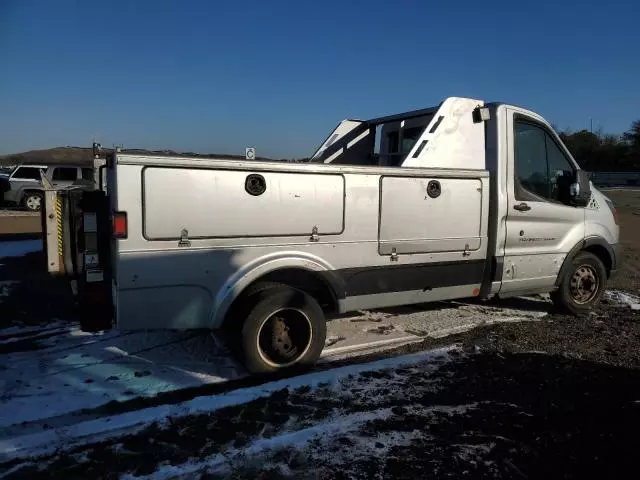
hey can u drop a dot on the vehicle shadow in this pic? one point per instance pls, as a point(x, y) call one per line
point(29, 296)
point(73, 371)
point(52, 369)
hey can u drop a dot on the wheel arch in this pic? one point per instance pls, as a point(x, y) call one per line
point(306, 272)
point(24, 191)
point(598, 246)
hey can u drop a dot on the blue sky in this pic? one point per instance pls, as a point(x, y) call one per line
point(216, 76)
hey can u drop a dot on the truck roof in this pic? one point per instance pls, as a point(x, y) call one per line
point(400, 116)
point(54, 165)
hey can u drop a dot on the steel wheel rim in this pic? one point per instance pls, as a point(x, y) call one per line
point(284, 337)
point(584, 284)
point(33, 202)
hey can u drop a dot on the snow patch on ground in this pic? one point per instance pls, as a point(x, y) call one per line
point(256, 452)
point(46, 442)
point(78, 370)
point(19, 248)
point(61, 369)
point(316, 442)
point(623, 299)
point(73, 370)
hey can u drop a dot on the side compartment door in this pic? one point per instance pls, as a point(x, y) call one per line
point(433, 215)
point(542, 226)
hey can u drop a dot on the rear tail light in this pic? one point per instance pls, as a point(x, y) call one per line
point(120, 225)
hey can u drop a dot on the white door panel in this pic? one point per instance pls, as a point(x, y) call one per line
point(531, 271)
point(541, 229)
point(546, 228)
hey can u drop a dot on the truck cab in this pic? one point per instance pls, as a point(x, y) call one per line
point(542, 204)
point(548, 211)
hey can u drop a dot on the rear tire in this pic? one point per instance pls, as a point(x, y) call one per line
point(582, 286)
point(285, 329)
point(32, 201)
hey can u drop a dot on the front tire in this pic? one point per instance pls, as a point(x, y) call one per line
point(285, 329)
point(33, 201)
point(582, 286)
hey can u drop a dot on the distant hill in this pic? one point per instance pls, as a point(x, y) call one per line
point(83, 156)
point(73, 155)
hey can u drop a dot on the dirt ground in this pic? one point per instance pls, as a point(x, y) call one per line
point(557, 398)
point(627, 203)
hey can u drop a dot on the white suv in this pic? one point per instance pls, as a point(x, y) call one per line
point(23, 186)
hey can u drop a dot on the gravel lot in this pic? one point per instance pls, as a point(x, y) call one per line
point(557, 397)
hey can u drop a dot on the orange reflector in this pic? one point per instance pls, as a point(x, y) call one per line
point(120, 225)
point(476, 292)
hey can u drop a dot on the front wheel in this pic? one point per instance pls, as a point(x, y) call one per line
point(284, 329)
point(582, 286)
point(33, 201)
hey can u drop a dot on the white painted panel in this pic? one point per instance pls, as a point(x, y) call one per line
point(411, 221)
point(527, 272)
point(214, 203)
point(340, 131)
point(456, 142)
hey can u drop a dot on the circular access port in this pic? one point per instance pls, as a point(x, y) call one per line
point(255, 184)
point(433, 189)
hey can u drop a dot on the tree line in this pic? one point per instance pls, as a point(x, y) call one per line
point(600, 152)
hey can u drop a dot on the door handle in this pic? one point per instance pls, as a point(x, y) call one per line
point(522, 207)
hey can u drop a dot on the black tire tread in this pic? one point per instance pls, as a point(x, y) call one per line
point(562, 298)
point(266, 298)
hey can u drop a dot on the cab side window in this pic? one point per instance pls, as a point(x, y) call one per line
point(65, 174)
point(561, 171)
point(541, 168)
point(27, 173)
point(87, 174)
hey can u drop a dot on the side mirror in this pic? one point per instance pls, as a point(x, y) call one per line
point(580, 189)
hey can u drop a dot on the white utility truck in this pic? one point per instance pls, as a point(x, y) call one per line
point(465, 199)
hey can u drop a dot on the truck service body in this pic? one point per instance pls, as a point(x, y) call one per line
point(465, 199)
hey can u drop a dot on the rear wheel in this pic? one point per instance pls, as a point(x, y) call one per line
point(32, 201)
point(582, 286)
point(284, 329)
